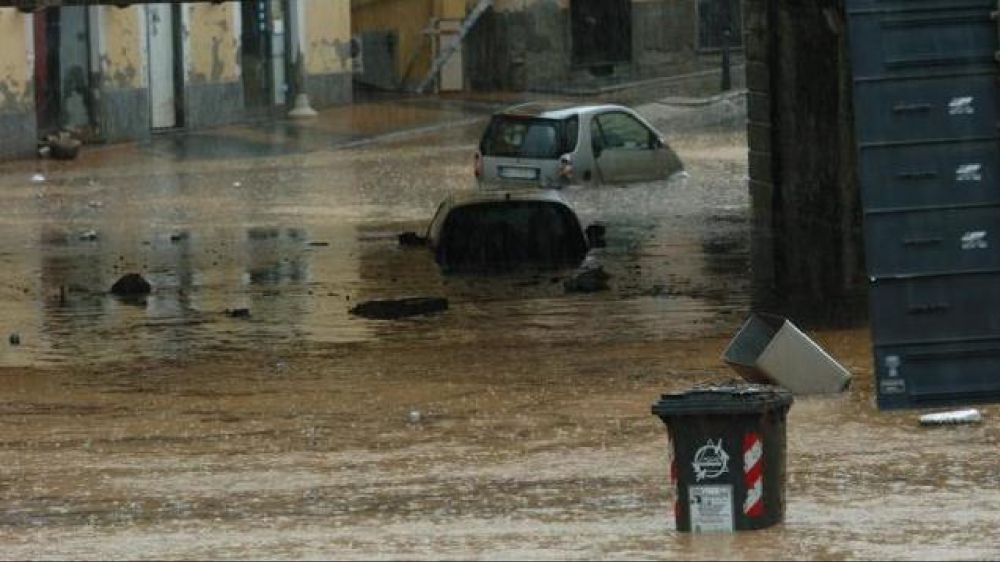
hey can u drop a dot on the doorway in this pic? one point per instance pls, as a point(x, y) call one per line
point(601, 32)
point(162, 25)
point(63, 95)
point(264, 53)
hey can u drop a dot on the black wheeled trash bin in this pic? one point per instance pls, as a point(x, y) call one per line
point(728, 456)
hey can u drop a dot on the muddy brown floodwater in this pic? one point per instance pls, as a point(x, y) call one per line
point(515, 425)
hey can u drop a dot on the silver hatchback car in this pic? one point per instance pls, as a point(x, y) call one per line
point(556, 146)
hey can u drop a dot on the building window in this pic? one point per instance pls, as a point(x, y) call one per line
point(714, 18)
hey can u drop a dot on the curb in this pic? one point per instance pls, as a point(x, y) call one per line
point(399, 135)
point(702, 102)
point(662, 81)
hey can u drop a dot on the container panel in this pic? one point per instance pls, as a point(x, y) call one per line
point(926, 109)
point(933, 242)
point(938, 375)
point(935, 309)
point(881, 6)
point(931, 175)
point(922, 40)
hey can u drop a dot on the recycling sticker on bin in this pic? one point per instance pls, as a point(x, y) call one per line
point(711, 461)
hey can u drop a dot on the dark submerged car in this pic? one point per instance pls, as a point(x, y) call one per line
point(505, 230)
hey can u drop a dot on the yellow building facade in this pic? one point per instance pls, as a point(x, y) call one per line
point(108, 73)
point(412, 30)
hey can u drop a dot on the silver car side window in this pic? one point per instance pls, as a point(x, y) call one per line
point(622, 131)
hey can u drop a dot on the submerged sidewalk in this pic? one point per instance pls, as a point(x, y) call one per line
point(371, 118)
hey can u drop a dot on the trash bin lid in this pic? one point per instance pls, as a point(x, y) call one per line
point(730, 398)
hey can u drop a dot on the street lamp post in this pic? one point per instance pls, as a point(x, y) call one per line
point(727, 79)
point(727, 26)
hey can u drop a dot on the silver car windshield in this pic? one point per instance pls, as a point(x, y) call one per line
point(521, 137)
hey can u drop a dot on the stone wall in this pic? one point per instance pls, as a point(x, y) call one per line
point(17, 114)
point(527, 45)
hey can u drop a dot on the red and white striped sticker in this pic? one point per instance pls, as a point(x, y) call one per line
point(753, 475)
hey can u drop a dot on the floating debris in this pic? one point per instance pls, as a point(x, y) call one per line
point(411, 239)
point(89, 235)
point(400, 308)
point(770, 349)
point(131, 284)
point(238, 312)
point(14, 339)
point(952, 418)
point(63, 146)
point(38, 178)
point(589, 280)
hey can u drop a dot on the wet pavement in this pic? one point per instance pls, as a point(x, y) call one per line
point(514, 425)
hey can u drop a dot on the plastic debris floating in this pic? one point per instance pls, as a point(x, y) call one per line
point(952, 418)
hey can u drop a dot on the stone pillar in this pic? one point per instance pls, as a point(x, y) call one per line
point(301, 107)
point(807, 245)
point(123, 106)
point(326, 47)
point(213, 90)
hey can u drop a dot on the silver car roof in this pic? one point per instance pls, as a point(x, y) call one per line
point(556, 110)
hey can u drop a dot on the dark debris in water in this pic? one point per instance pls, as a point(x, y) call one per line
point(411, 239)
point(400, 308)
point(131, 284)
point(588, 281)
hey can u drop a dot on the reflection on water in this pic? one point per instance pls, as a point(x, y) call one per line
point(516, 424)
point(296, 241)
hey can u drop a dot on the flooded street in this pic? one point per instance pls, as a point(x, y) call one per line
point(515, 425)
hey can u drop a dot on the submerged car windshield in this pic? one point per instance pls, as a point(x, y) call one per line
point(509, 234)
point(523, 137)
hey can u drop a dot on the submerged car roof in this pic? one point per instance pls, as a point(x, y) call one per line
point(472, 197)
point(554, 110)
point(485, 196)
